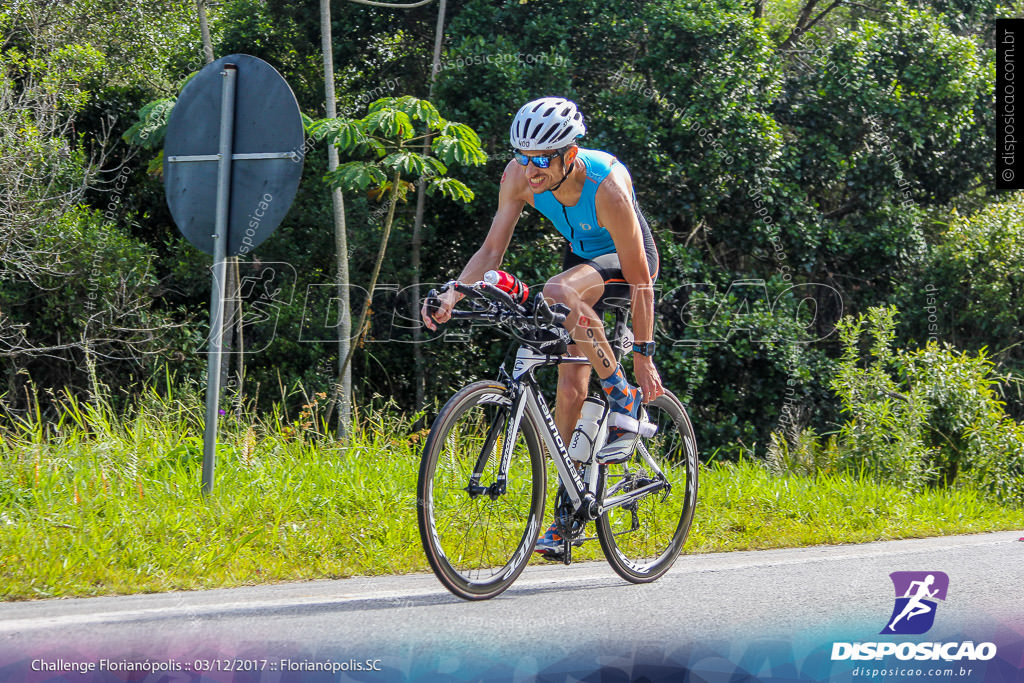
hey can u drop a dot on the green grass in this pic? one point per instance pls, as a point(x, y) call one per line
point(745, 507)
point(93, 505)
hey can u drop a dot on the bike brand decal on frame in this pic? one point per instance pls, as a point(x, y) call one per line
point(550, 421)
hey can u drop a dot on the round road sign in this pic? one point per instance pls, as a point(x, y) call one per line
point(266, 162)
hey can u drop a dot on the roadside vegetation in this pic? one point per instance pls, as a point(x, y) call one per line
point(94, 504)
point(839, 277)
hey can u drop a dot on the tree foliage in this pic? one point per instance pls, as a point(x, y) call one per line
point(386, 135)
point(791, 177)
point(77, 286)
point(926, 417)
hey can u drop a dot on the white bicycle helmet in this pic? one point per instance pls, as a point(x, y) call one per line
point(547, 123)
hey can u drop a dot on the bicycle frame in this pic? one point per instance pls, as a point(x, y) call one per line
point(527, 399)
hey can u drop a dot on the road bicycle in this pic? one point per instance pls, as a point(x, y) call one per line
point(483, 482)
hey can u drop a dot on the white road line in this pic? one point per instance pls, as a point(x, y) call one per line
point(189, 611)
point(533, 577)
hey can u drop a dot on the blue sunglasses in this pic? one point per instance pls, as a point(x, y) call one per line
point(540, 161)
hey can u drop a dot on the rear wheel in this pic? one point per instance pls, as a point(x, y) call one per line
point(643, 538)
point(478, 535)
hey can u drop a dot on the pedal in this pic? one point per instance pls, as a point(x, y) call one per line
point(550, 556)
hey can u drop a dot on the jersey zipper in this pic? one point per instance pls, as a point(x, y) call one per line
point(572, 232)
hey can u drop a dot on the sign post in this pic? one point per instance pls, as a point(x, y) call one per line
point(232, 164)
point(220, 248)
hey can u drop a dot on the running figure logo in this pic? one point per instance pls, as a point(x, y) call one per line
point(914, 612)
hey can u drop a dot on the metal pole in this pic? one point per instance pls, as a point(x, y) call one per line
point(220, 248)
point(417, 227)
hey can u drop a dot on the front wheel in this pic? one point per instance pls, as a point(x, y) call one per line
point(479, 533)
point(642, 538)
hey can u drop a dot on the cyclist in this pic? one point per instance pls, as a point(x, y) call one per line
point(610, 252)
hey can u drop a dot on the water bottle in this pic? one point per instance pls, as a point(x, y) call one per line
point(581, 445)
point(507, 282)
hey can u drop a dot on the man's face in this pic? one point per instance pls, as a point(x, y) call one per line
point(540, 179)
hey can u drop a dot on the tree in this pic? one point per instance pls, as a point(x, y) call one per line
point(386, 139)
point(967, 288)
point(343, 383)
point(76, 283)
point(417, 228)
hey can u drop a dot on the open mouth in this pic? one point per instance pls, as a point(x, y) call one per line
point(536, 182)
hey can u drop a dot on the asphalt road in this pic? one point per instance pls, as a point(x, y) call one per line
point(776, 613)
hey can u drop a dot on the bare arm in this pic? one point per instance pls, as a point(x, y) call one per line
point(615, 210)
point(489, 256)
point(510, 205)
point(614, 203)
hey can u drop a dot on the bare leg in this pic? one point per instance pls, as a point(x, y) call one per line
point(572, 391)
point(579, 288)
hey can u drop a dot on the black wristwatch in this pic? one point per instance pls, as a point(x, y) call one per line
point(644, 348)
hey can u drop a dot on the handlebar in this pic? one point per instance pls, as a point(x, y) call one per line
point(553, 316)
point(535, 322)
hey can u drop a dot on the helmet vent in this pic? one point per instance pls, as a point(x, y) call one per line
point(551, 130)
